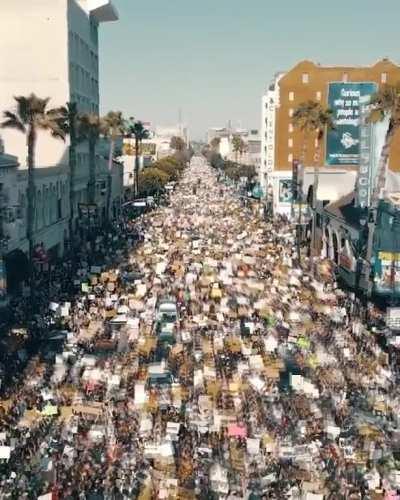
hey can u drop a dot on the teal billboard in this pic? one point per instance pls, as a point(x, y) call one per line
point(343, 143)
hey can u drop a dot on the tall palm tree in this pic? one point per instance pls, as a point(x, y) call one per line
point(115, 126)
point(311, 117)
point(139, 132)
point(215, 143)
point(385, 103)
point(90, 127)
point(31, 116)
point(69, 121)
point(237, 146)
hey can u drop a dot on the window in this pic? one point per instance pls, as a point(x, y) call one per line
point(345, 77)
point(291, 112)
point(316, 143)
point(290, 143)
point(291, 96)
point(384, 78)
point(305, 78)
point(290, 128)
point(318, 96)
point(290, 158)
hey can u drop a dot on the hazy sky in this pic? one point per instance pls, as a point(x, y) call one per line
point(213, 58)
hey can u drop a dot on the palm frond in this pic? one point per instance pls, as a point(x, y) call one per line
point(12, 121)
point(13, 125)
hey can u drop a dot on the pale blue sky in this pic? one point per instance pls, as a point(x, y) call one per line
point(213, 58)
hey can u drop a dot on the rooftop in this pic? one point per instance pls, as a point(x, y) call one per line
point(8, 160)
point(103, 10)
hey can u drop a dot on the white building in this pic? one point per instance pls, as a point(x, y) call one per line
point(50, 48)
point(269, 103)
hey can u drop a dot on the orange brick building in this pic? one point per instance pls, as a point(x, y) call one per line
point(310, 81)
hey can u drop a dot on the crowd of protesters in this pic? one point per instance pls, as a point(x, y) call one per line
point(270, 385)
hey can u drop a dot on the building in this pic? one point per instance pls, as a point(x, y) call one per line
point(252, 155)
point(52, 50)
point(251, 138)
point(338, 87)
point(270, 101)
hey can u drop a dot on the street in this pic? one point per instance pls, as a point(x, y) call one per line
point(205, 364)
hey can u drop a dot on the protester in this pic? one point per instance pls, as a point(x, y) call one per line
point(189, 356)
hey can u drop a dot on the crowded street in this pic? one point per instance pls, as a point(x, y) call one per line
point(198, 359)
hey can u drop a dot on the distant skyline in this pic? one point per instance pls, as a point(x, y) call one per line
point(213, 59)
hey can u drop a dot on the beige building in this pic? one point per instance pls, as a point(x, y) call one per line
point(51, 48)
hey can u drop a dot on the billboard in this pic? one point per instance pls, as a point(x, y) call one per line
point(147, 149)
point(343, 143)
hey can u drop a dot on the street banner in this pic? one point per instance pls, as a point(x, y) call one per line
point(343, 143)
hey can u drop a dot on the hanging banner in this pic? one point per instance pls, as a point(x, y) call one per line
point(343, 143)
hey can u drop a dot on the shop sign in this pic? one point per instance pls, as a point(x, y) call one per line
point(343, 142)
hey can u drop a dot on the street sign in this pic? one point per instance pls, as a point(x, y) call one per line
point(393, 318)
point(363, 178)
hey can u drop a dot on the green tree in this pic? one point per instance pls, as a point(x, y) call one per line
point(237, 146)
point(137, 130)
point(151, 181)
point(385, 103)
point(177, 143)
point(90, 127)
point(215, 143)
point(311, 117)
point(31, 116)
point(173, 171)
point(114, 127)
point(69, 123)
point(248, 171)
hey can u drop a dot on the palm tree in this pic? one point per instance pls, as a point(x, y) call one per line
point(177, 143)
point(139, 132)
point(215, 143)
point(312, 117)
point(115, 127)
point(90, 126)
point(385, 103)
point(69, 120)
point(31, 116)
point(237, 146)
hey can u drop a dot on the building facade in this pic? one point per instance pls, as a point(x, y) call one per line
point(269, 103)
point(310, 81)
point(52, 50)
